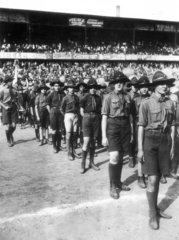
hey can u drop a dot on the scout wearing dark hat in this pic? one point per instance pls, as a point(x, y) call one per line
point(119, 77)
point(159, 78)
point(90, 109)
point(52, 83)
point(93, 84)
point(156, 129)
point(143, 82)
point(54, 100)
point(43, 86)
point(9, 102)
point(69, 84)
point(33, 95)
point(142, 85)
point(82, 91)
point(117, 122)
point(42, 113)
point(70, 109)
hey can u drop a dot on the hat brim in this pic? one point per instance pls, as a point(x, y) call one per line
point(96, 86)
point(56, 82)
point(122, 80)
point(69, 86)
point(81, 84)
point(143, 85)
point(40, 88)
point(161, 82)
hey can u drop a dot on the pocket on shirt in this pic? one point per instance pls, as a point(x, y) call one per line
point(115, 104)
point(156, 115)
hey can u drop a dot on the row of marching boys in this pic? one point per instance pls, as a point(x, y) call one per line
point(136, 116)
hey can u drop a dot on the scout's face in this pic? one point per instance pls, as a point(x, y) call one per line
point(118, 86)
point(82, 88)
point(92, 91)
point(70, 90)
point(144, 90)
point(161, 89)
point(43, 90)
point(56, 87)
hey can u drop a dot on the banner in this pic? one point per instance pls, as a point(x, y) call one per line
point(77, 56)
point(62, 55)
point(17, 55)
point(94, 23)
point(80, 22)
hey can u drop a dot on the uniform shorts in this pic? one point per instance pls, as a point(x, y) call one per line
point(56, 119)
point(44, 117)
point(118, 135)
point(10, 116)
point(156, 153)
point(91, 125)
point(71, 122)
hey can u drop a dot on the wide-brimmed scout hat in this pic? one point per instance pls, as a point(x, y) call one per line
point(43, 86)
point(143, 82)
point(8, 78)
point(69, 84)
point(81, 83)
point(160, 78)
point(52, 83)
point(93, 84)
point(119, 77)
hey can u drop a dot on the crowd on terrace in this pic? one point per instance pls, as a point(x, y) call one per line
point(153, 47)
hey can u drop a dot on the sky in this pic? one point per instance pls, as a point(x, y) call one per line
point(142, 9)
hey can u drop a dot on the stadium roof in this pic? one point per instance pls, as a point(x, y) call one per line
point(140, 9)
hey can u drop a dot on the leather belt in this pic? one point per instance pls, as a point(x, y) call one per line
point(159, 130)
point(121, 118)
point(91, 113)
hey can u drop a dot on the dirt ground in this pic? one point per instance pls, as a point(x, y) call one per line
point(43, 196)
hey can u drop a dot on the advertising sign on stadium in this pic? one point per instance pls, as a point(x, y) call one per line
point(94, 23)
point(165, 27)
point(77, 22)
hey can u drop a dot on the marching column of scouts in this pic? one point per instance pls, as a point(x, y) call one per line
point(133, 117)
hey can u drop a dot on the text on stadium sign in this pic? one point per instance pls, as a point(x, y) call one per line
point(94, 23)
point(81, 22)
point(77, 22)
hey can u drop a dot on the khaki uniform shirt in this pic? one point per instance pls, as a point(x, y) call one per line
point(156, 114)
point(116, 105)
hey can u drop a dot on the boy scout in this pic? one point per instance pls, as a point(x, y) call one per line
point(54, 100)
point(142, 85)
point(90, 109)
point(70, 110)
point(156, 134)
point(42, 113)
point(9, 103)
point(117, 131)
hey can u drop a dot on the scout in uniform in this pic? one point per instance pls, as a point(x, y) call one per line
point(54, 101)
point(90, 109)
point(70, 110)
point(142, 85)
point(132, 90)
point(81, 86)
point(33, 96)
point(9, 103)
point(117, 131)
point(156, 133)
point(42, 113)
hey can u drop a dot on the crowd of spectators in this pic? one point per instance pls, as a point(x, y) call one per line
point(82, 71)
point(153, 47)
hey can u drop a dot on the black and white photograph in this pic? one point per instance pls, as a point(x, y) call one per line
point(89, 120)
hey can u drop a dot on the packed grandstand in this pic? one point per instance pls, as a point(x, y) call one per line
point(57, 45)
